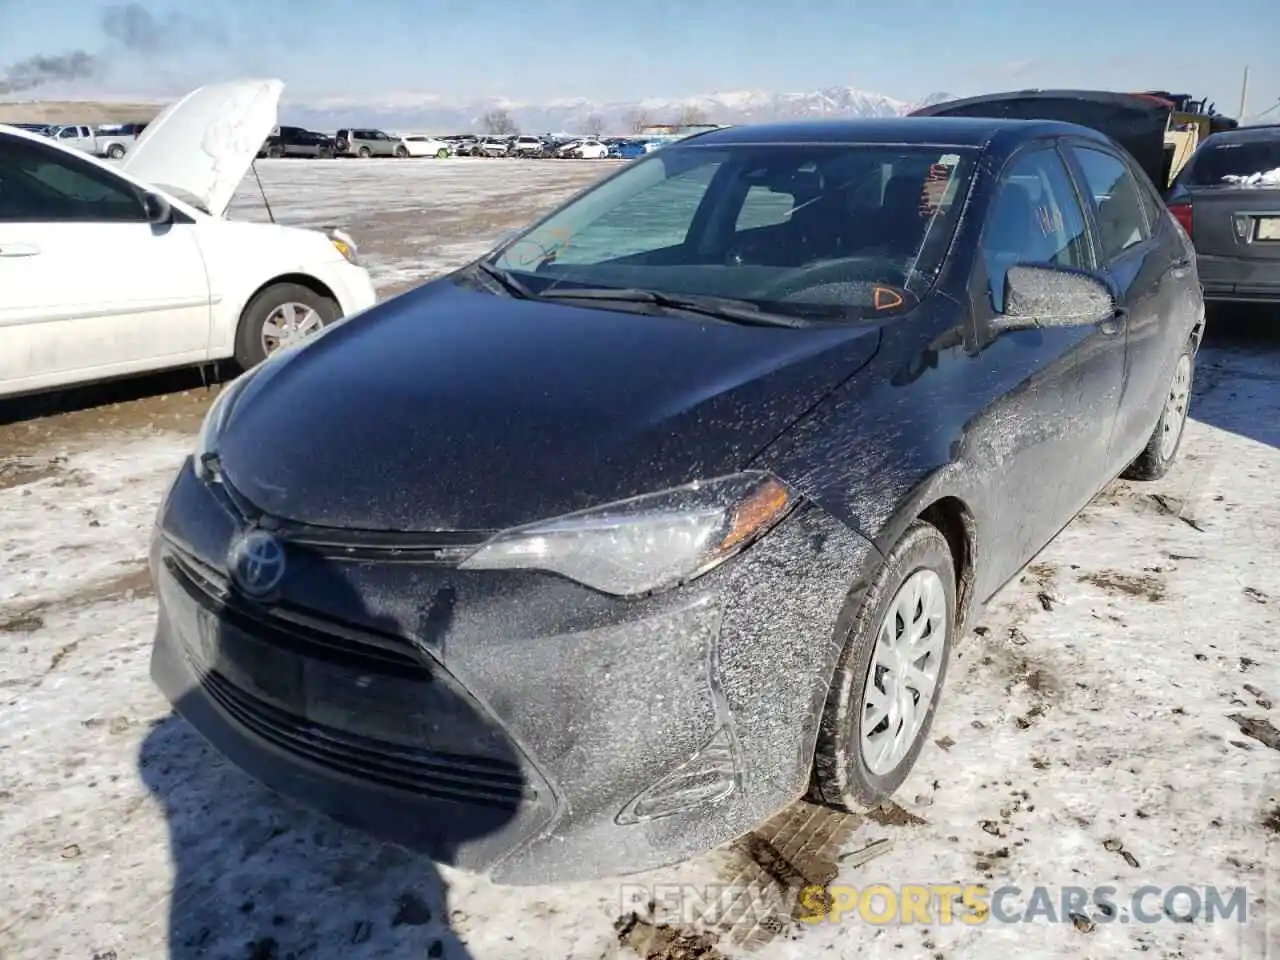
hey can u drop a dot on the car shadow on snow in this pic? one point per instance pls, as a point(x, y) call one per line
point(1238, 372)
point(260, 877)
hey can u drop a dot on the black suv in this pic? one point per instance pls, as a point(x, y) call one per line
point(297, 142)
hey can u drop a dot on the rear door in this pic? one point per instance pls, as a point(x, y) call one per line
point(1233, 186)
point(1139, 265)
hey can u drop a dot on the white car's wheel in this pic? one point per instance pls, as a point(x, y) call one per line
point(278, 317)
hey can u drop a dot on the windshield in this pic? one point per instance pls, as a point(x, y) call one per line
point(817, 229)
point(1234, 163)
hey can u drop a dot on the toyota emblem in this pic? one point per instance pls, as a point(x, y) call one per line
point(257, 563)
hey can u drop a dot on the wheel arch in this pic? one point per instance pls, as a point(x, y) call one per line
point(301, 279)
point(942, 505)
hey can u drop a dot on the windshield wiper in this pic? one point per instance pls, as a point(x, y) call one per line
point(719, 308)
point(506, 280)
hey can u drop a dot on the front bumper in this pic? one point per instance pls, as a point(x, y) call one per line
point(506, 722)
point(351, 285)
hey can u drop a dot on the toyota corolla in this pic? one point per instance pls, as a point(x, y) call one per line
point(595, 553)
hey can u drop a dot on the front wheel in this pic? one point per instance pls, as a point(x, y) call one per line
point(278, 317)
point(1162, 447)
point(402, 152)
point(889, 675)
point(442, 154)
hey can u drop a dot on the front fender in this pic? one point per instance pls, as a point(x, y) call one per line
point(241, 257)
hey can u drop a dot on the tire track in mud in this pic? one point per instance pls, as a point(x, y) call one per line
point(769, 880)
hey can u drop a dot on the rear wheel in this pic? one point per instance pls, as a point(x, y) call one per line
point(442, 154)
point(889, 675)
point(1162, 447)
point(280, 316)
point(115, 151)
point(275, 153)
point(364, 153)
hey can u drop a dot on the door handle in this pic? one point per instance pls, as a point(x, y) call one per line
point(17, 249)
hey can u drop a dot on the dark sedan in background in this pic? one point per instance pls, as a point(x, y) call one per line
point(1227, 198)
point(594, 554)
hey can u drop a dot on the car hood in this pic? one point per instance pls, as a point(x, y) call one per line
point(203, 145)
point(1135, 121)
point(451, 409)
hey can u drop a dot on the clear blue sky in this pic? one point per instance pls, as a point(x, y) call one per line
point(543, 49)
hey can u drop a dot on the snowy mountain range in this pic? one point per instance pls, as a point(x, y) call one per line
point(428, 113)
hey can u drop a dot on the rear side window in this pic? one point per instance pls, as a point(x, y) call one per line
point(1232, 163)
point(1117, 200)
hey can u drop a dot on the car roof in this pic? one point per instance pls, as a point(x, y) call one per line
point(1251, 134)
point(978, 132)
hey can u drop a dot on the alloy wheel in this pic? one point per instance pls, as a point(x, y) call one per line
point(287, 324)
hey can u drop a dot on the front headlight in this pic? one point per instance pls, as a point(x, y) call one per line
point(205, 454)
point(644, 544)
point(343, 243)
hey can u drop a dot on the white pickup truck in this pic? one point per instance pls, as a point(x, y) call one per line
point(113, 140)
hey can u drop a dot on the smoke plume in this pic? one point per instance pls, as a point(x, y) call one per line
point(132, 32)
point(38, 70)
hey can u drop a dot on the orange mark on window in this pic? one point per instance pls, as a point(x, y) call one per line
point(886, 298)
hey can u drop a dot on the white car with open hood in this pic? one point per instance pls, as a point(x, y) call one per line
point(109, 269)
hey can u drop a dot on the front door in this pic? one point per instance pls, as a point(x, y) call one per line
point(1048, 438)
point(91, 288)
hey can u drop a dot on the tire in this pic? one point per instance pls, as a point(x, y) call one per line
point(442, 154)
point(250, 349)
point(364, 153)
point(275, 153)
point(1166, 439)
point(842, 776)
point(324, 153)
point(402, 152)
point(115, 151)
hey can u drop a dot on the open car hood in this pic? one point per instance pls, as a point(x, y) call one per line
point(203, 145)
point(1135, 121)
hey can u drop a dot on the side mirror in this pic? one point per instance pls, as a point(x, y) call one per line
point(159, 211)
point(1036, 295)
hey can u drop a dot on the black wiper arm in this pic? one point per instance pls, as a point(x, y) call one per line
point(507, 281)
point(719, 308)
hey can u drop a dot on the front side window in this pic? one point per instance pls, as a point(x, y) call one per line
point(1117, 201)
point(1035, 218)
point(38, 184)
point(68, 133)
point(804, 228)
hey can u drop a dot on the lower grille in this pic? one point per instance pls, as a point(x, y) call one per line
point(425, 773)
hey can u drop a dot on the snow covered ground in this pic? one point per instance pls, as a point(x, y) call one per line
point(1086, 736)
